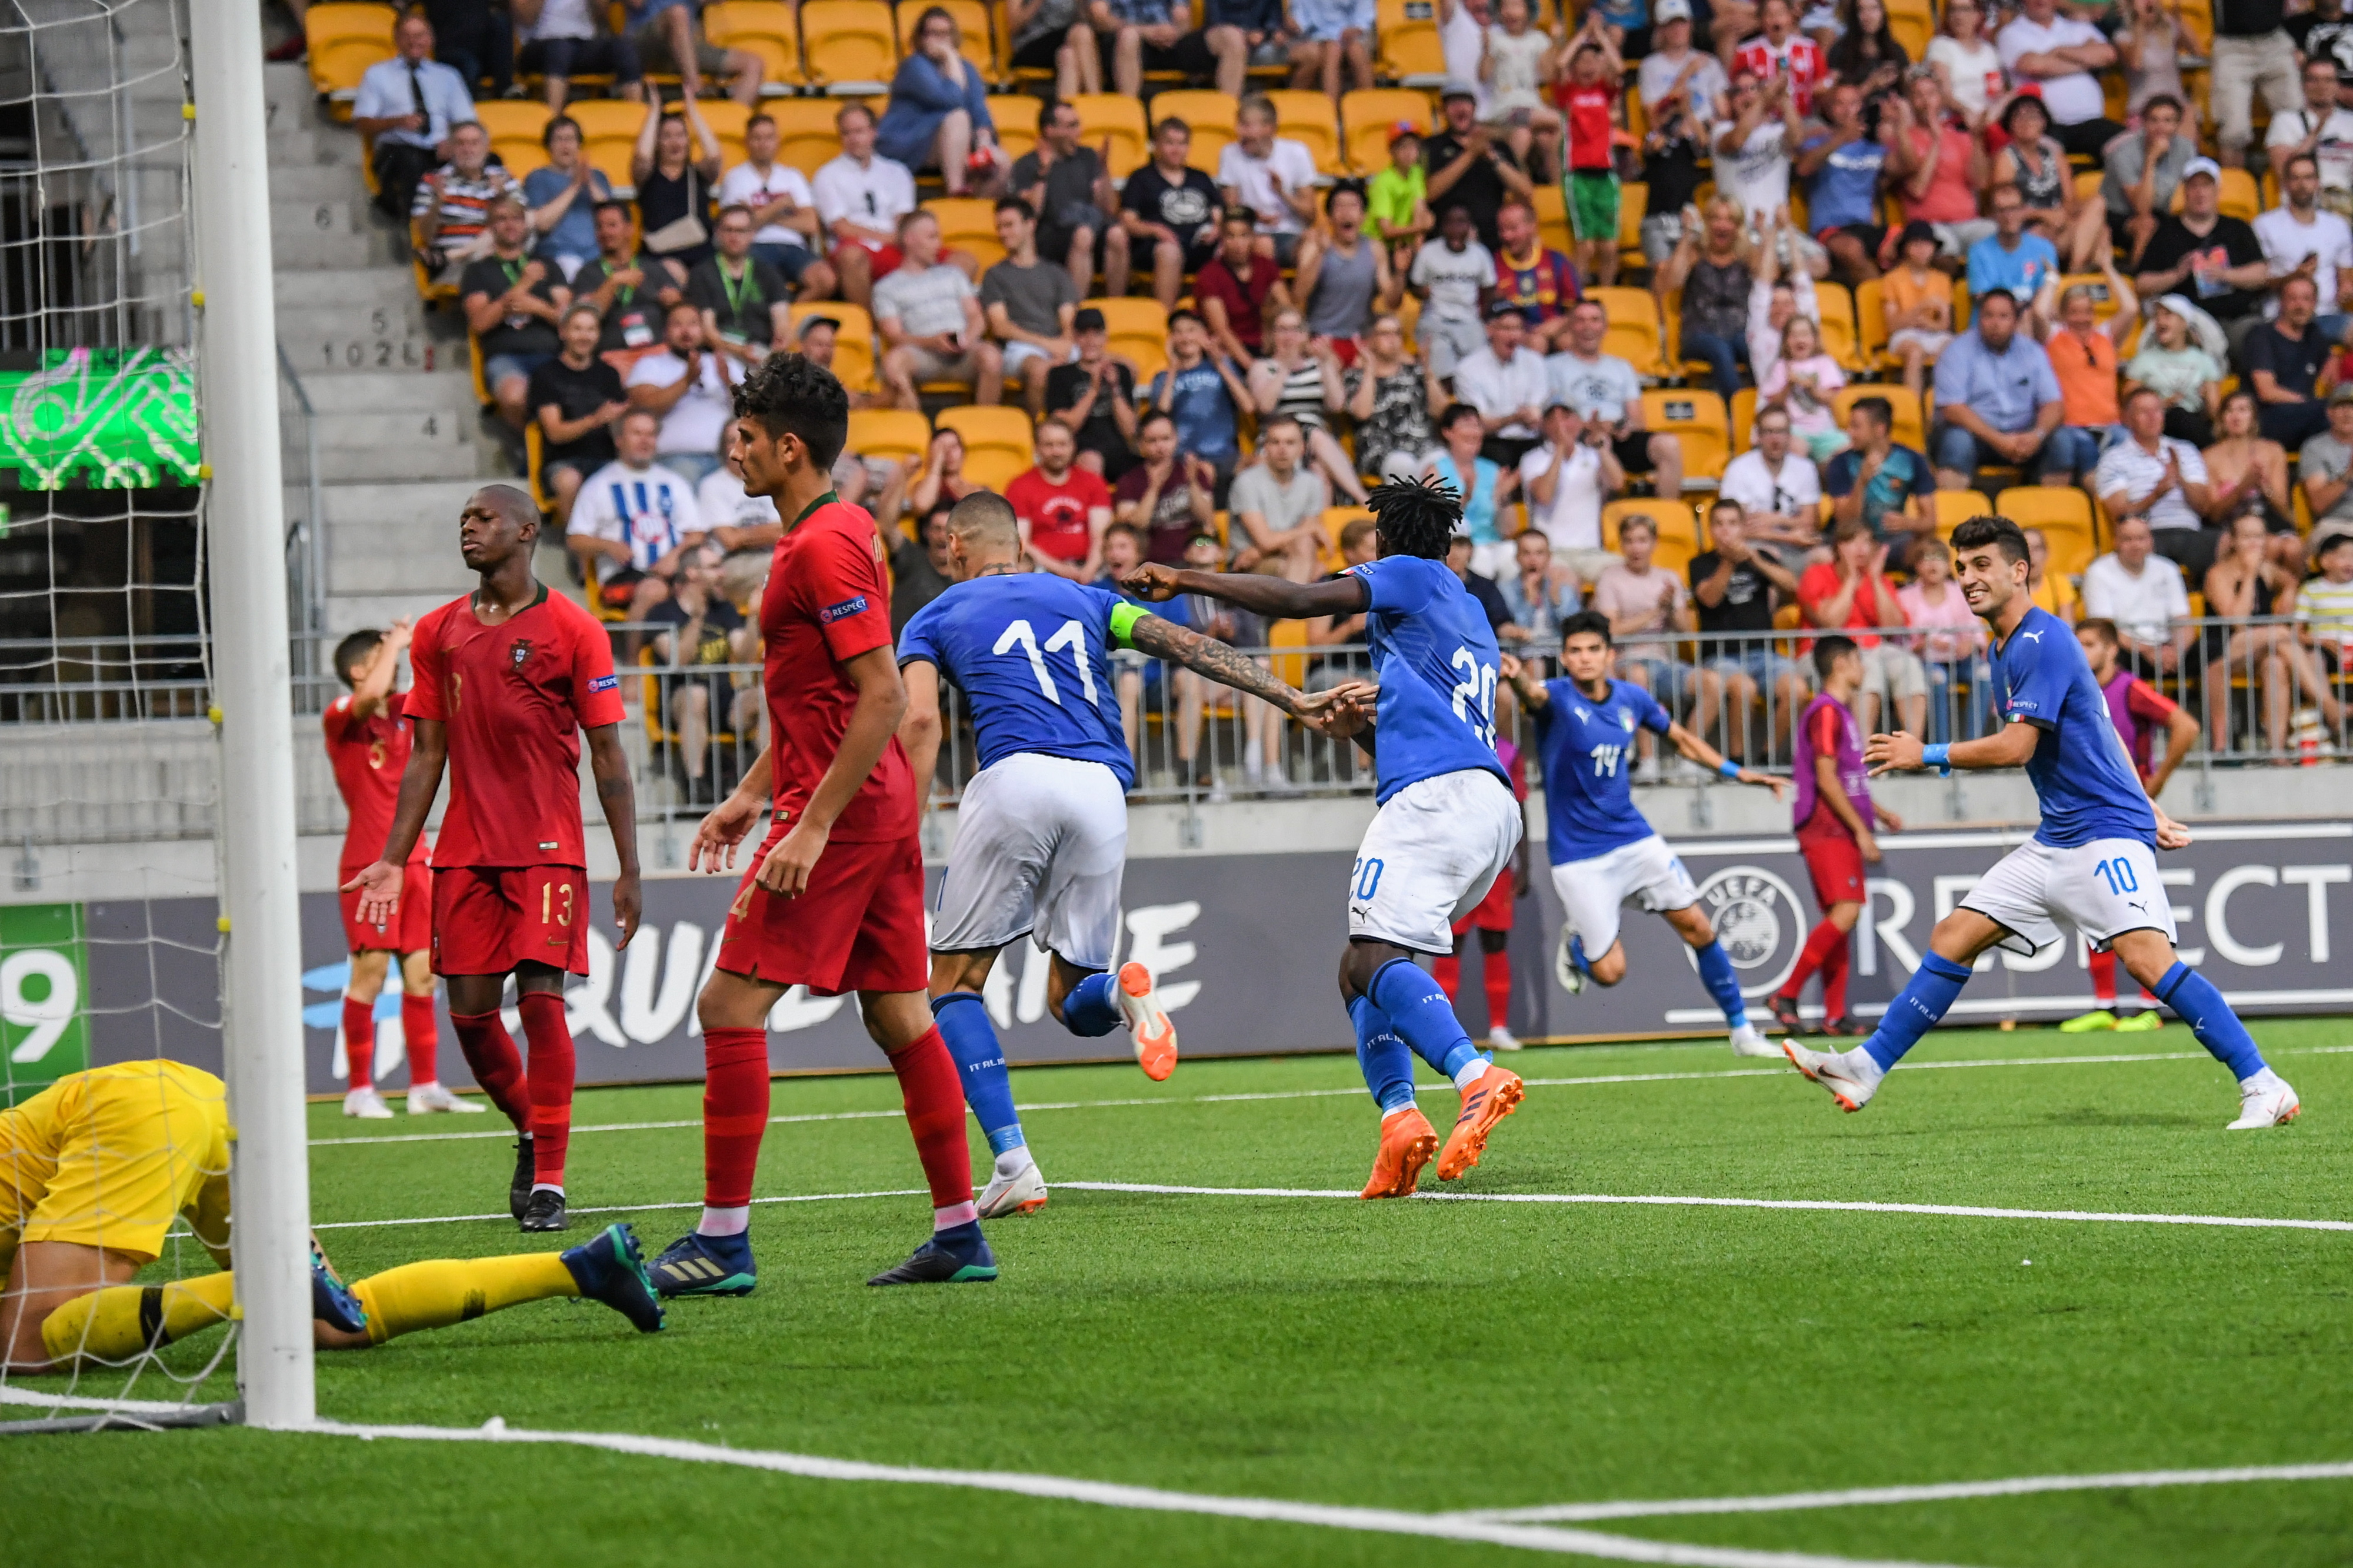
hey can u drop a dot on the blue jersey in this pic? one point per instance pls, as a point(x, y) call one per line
point(1435, 657)
point(1588, 752)
point(2083, 777)
point(1030, 653)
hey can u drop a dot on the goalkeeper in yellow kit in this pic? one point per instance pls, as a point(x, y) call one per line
point(93, 1172)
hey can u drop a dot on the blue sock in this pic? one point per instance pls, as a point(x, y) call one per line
point(1092, 1006)
point(2193, 996)
point(1933, 988)
point(1715, 971)
point(1420, 1011)
point(971, 1039)
point(1387, 1064)
point(1576, 959)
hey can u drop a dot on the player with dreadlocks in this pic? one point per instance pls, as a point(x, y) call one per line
point(1448, 823)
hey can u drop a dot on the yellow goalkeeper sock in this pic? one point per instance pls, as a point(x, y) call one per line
point(450, 1290)
point(119, 1321)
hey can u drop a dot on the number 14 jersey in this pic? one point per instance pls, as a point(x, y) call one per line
point(1587, 749)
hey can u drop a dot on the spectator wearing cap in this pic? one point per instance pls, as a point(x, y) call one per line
point(1469, 169)
point(1533, 279)
point(2180, 358)
point(1507, 383)
point(1239, 288)
point(2322, 129)
point(818, 337)
point(1094, 394)
point(1170, 211)
point(406, 108)
point(1397, 202)
point(1031, 304)
point(1343, 274)
point(1997, 402)
point(2062, 55)
point(2215, 259)
point(2142, 171)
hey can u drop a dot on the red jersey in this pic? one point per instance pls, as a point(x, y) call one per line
point(827, 603)
point(368, 755)
point(1590, 125)
point(1056, 514)
point(1544, 286)
point(516, 697)
point(1798, 54)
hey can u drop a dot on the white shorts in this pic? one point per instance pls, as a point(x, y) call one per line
point(1040, 846)
point(1018, 354)
point(1430, 855)
point(2102, 889)
point(1593, 892)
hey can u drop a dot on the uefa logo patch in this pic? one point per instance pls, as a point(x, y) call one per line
point(1758, 922)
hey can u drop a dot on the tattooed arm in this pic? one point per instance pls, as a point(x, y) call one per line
point(1164, 639)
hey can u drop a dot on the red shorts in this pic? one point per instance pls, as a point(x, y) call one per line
point(885, 257)
point(1494, 910)
point(489, 919)
point(1344, 349)
point(410, 929)
point(859, 926)
point(1835, 862)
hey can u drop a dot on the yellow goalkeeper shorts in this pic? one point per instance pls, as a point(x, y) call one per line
point(106, 1158)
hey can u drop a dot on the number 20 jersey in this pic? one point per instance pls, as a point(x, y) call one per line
point(1435, 656)
point(1029, 652)
point(1587, 749)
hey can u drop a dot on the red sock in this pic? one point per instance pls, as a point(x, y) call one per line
point(734, 1113)
point(934, 1094)
point(1448, 972)
point(491, 1057)
point(1499, 990)
point(1835, 963)
point(552, 1069)
point(359, 1041)
point(2103, 979)
point(1817, 951)
point(417, 1027)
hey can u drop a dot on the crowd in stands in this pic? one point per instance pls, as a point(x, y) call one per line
point(1891, 253)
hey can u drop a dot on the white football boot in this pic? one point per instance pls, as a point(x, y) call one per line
point(1850, 1087)
point(1748, 1040)
point(1564, 968)
point(1500, 1038)
point(367, 1105)
point(2265, 1100)
point(425, 1098)
point(1023, 1192)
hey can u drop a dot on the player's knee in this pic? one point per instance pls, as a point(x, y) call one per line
point(1610, 967)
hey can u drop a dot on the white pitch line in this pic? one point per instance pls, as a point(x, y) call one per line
point(1944, 1492)
point(90, 1402)
point(616, 1208)
point(1151, 1500)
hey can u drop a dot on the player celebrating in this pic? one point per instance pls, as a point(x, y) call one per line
point(1836, 825)
point(2092, 859)
point(834, 899)
point(505, 680)
point(367, 745)
point(1447, 825)
point(2137, 708)
point(1604, 854)
point(95, 1169)
point(1041, 834)
point(1492, 921)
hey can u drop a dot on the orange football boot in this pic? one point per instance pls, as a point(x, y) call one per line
point(1495, 1096)
point(1408, 1141)
point(1154, 1035)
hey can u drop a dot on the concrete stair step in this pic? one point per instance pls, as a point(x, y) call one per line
point(446, 384)
point(382, 510)
point(306, 181)
point(362, 317)
point(344, 250)
point(348, 613)
point(336, 214)
point(434, 430)
point(342, 287)
point(403, 463)
point(303, 141)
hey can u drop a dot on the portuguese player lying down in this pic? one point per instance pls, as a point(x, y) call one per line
point(150, 1138)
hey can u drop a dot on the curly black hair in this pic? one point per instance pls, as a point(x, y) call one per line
point(791, 395)
point(1417, 517)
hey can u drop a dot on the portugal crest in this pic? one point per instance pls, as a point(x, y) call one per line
point(518, 652)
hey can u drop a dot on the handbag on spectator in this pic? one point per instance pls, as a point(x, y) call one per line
point(684, 232)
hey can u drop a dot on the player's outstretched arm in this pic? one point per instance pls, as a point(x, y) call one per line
point(727, 823)
point(919, 732)
point(2009, 747)
point(881, 703)
point(379, 885)
point(1275, 597)
point(609, 765)
point(1708, 757)
point(1532, 695)
point(1225, 666)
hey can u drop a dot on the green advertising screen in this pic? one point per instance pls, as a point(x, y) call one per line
point(104, 419)
point(43, 997)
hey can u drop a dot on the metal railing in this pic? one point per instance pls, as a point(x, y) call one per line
point(306, 528)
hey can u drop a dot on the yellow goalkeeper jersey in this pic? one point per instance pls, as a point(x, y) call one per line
point(106, 1158)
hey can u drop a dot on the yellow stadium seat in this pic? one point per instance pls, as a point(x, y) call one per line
point(1870, 322)
point(2064, 515)
point(996, 442)
point(1633, 205)
point(1308, 119)
point(343, 41)
point(1552, 217)
point(1290, 667)
point(891, 435)
point(2240, 197)
point(2103, 304)
point(1410, 54)
point(762, 27)
point(968, 224)
point(2197, 17)
point(1910, 427)
point(853, 344)
point(1677, 522)
point(1913, 32)
point(1699, 421)
point(1634, 335)
point(515, 127)
point(972, 27)
point(806, 137)
point(1337, 518)
point(1368, 117)
point(850, 48)
point(1208, 115)
point(1743, 418)
point(1107, 114)
point(1138, 328)
point(1016, 119)
point(1954, 507)
point(1837, 325)
point(608, 134)
point(726, 118)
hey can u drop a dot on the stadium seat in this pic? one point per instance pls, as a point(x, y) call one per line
point(1839, 340)
point(1871, 323)
point(1208, 114)
point(853, 345)
point(972, 22)
point(888, 435)
point(1139, 333)
point(535, 451)
point(968, 224)
point(1954, 507)
point(608, 134)
point(1308, 119)
point(726, 118)
point(343, 41)
point(1366, 118)
point(1016, 119)
point(850, 48)
point(1744, 420)
point(762, 27)
point(1677, 522)
point(1289, 639)
point(2241, 196)
point(1102, 114)
point(806, 137)
point(1633, 205)
point(515, 127)
point(2064, 515)
point(1337, 518)
point(1634, 335)
point(1699, 420)
point(1552, 218)
point(996, 442)
point(1410, 54)
point(1910, 427)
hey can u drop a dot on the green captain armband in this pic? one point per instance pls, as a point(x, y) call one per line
point(1124, 617)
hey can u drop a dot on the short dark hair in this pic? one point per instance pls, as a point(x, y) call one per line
point(1239, 214)
point(1192, 316)
point(2163, 100)
point(1455, 412)
point(1882, 412)
point(1276, 421)
point(758, 120)
point(2101, 627)
point(1828, 650)
point(624, 208)
point(2332, 542)
point(1719, 504)
point(1168, 123)
point(355, 649)
point(2140, 392)
point(1417, 517)
point(1129, 528)
point(1016, 205)
point(2004, 295)
point(2301, 158)
point(1157, 416)
point(1998, 532)
point(1344, 188)
point(841, 116)
point(1585, 621)
point(557, 122)
point(792, 395)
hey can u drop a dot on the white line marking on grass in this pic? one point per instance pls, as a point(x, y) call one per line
point(90, 1402)
point(1941, 1492)
point(1107, 1494)
point(616, 1208)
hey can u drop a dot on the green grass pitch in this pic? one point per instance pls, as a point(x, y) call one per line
point(1424, 1357)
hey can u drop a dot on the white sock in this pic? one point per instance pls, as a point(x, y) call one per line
point(1015, 1161)
point(1473, 1071)
point(724, 1222)
point(431, 1085)
point(954, 1215)
point(2260, 1081)
point(1859, 1064)
point(547, 1187)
